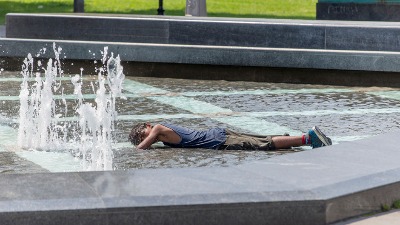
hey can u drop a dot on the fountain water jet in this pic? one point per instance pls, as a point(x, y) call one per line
point(40, 125)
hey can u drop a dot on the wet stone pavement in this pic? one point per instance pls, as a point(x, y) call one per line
point(12, 163)
point(343, 113)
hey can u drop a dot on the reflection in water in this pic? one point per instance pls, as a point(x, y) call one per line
point(177, 158)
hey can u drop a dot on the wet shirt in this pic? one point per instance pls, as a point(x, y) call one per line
point(211, 138)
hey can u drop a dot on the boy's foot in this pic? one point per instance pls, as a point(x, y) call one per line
point(318, 139)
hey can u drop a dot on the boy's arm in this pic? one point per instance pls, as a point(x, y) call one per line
point(156, 132)
point(159, 133)
point(149, 140)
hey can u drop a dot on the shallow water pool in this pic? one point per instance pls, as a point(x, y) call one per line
point(343, 113)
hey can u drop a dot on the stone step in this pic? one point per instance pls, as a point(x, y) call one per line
point(270, 33)
point(339, 67)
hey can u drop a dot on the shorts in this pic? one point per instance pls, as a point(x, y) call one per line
point(240, 141)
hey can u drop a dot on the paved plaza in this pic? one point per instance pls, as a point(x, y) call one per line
point(300, 183)
point(388, 218)
point(354, 177)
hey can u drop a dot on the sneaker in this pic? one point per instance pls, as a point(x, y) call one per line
point(318, 139)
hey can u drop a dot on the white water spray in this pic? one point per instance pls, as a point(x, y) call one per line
point(38, 122)
point(97, 122)
point(40, 126)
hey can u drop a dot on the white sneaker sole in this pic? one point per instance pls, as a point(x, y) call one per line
point(321, 136)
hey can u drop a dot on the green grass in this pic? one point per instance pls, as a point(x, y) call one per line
point(290, 9)
point(396, 204)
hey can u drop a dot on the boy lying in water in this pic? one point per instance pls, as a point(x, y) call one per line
point(143, 135)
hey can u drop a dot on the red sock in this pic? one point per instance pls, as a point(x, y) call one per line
point(305, 140)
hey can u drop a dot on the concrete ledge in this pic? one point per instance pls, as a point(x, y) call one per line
point(252, 61)
point(318, 186)
point(208, 55)
point(302, 34)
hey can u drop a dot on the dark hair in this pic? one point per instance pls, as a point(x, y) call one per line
point(136, 133)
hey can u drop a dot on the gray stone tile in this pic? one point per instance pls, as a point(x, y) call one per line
point(362, 38)
point(67, 27)
point(251, 35)
point(47, 191)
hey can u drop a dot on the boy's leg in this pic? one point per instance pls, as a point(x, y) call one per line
point(285, 142)
point(235, 141)
point(241, 141)
point(314, 137)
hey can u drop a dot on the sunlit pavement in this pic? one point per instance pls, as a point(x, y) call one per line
point(388, 218)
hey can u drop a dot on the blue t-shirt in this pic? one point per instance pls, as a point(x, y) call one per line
point(211, 138)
